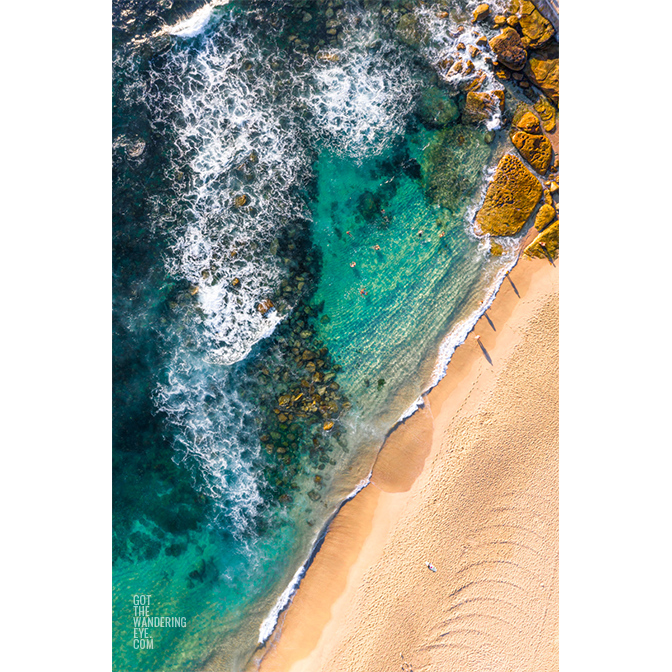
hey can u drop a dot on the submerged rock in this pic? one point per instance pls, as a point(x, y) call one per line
point(534, 148)
point(481, 106)
point(410, 31)
point(452, 165)
point(437, 108)
point(511, 197)
point(509, 49)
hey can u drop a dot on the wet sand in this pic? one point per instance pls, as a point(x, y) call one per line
point(468, 483)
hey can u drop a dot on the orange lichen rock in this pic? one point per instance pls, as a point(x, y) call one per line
point(528, 123)
point(480, 106)
point(544, 217)
point(535, 27)
point(240, 200)
point(546, 113)
point(545, 73)
point(534, 148)
point(509, 49)
point(479, 78)
point(511, 197)
point(265, 306)
point(546, 245)
point(481, 12)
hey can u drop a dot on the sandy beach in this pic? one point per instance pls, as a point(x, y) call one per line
point(470, 484)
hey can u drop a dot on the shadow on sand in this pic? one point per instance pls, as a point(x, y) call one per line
point(485, 352)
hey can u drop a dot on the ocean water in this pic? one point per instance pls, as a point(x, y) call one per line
point(293, 266)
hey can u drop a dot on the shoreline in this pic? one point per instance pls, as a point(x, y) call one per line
point(317, 614)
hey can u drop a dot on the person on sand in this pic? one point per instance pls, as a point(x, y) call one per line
point(477, 337)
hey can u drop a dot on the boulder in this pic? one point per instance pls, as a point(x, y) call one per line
point(534, 148)
point(511, 197)
point(544, 217)
point(545, 73)
point(528, 123)
point(481, 12)
point(509, 49)
point(535, 27)
point(481, 105)
point(547, 244)
point(437, 108)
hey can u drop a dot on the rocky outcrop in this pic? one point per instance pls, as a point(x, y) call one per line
point(509, 49)
point(511, 197)
point(480, 106)
point(534, 148)
point(547, 244)
point(545, 73)
point(534, 26)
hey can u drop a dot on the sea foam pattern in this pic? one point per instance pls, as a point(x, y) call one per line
point(238, 114)
point(362, 99)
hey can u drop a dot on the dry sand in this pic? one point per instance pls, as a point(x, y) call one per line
point(468, 483)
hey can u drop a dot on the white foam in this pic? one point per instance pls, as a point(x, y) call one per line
point(361, 101)
point(418, 403)
point(195, 23)
point(444, 37)
point(269, 623)
point(226, 116)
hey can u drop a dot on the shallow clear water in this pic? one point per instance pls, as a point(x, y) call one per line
point(292, 259)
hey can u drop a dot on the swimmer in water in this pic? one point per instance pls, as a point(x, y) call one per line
point(352, 264)
point(376, 247)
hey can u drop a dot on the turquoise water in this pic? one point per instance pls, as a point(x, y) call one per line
point(293, 265)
